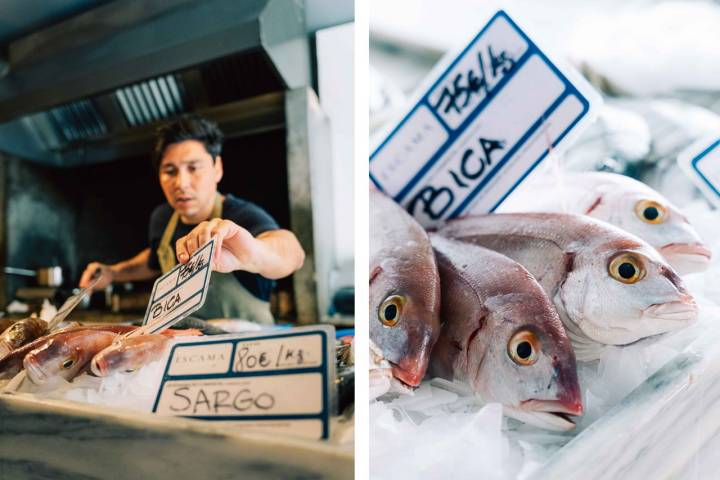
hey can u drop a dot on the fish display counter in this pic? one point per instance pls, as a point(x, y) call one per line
point(84, 400)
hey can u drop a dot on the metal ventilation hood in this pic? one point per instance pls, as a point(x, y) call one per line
point(94, 88)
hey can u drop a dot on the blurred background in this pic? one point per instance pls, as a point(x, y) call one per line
point(655, 62)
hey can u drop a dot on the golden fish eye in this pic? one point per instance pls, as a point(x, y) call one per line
point(627, 268)
point(524, 347)
point(67, 364)
point(650, 211)
point(390, 310)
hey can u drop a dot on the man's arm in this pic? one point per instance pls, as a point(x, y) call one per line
point(283, 255)
point(273, 254)
point(135, 268)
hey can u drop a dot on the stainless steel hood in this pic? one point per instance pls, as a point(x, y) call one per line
point(94, 87)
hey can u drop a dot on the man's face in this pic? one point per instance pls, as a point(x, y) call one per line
point(189, 179)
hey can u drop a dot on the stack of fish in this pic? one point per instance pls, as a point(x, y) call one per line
point(523, 295)
point(68, 352)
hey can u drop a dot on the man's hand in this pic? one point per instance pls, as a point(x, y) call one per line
point(107, 275)
point(233, 249)
point(273, 254)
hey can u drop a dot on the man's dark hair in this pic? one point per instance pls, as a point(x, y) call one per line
point(188, 127)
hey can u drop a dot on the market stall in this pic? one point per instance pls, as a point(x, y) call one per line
point(125, 128)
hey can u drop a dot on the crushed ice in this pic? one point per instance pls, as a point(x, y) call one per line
point(442, 431)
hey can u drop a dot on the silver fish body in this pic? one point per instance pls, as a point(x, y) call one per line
point(404, 290)
point(624, 202)
point(609, 286)
point(502, 335)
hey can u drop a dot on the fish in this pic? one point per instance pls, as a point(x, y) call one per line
point(502, 335)
point(65, 355)
point(129, 354)
point(404, 290)
point(12, 363)
point(609, 286)
point(624, 202)
point(20, 333)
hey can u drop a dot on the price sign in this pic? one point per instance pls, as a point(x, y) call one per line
point(701, 162)
point(489, 117)
point(179, 292)
point(280, 381)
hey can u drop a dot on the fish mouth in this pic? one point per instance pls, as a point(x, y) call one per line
point(687, 257)
point(681, 311)
point(35, 374)
point(560, 407)
point(547, 414)
point(96, 368)
point(405, 376)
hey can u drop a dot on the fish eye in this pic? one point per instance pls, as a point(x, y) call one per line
point(650, 211)
point(627, 268)
point(391, 309)
point(67, 364)
point(524, 347)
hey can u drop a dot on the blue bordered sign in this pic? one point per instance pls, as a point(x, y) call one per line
point(179, 292)
point(275, 381)
point(485, 122)
point(701, 162)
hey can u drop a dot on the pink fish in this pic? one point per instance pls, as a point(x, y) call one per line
point(65, 355)
point(404, 290)
point(12, 363)
point(608, 286)
point(129, 354)
point(623, 202)
point(502, 336)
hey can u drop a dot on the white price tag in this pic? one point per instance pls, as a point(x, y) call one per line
point(701, 162)
point(483, 125)
point(224, 397)
point(279, 381)
point(179, 292)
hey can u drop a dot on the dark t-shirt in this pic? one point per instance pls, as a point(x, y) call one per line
point(246, 214)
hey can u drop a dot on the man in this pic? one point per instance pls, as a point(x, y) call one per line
point(253, 251)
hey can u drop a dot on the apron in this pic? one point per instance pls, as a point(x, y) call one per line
point(226, 296)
